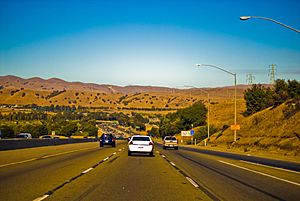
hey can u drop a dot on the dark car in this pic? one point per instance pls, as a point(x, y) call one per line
point(107, 139)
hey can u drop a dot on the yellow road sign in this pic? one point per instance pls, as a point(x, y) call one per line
point(235, 127)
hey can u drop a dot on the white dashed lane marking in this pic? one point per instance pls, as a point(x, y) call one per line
point(86, 171)
point(192, 182)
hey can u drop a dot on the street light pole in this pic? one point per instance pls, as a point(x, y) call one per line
point(234, 75)
point(269, 19)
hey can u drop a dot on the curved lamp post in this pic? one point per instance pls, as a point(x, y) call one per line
point(269, 19)
point(234, 75)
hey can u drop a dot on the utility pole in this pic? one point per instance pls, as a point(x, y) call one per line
point(249, 79)
point(272, 73)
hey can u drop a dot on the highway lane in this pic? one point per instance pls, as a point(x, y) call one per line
point(135, 178)
point(29, 179)
point(231, 179)
point(87, 172)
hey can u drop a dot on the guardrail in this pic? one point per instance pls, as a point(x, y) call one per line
point(9, 144)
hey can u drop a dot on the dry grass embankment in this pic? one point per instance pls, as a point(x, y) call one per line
point(271, 131)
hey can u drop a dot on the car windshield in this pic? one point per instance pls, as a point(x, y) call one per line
point(140, 139)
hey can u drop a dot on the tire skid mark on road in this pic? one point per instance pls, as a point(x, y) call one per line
point(49, 193)
point(193, 182)
point(231, 177)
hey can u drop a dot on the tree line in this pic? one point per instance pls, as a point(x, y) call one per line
point(65, 123)
point(259, 97)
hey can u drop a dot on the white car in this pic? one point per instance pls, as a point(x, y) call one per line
point(140, 144)
point(24, 136)
point(170, 142)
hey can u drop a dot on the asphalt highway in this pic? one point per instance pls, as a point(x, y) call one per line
point(87, 172)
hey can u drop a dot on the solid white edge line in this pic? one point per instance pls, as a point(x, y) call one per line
point(86, 171)
point(41, 198)
point(261, 173)
point(192, 182)
point(172, 163)
point(276, 168)
point(106, 159)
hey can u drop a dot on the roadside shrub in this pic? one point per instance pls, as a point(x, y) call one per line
point(7, 131)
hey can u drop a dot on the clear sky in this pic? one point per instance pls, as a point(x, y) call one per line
point(149, 42)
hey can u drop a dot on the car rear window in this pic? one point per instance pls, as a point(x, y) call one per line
point(140, 139)
point(170, 138)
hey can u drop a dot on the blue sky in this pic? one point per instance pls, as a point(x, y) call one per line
point(155, 42)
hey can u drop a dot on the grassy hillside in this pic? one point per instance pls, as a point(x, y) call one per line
point(271, 130)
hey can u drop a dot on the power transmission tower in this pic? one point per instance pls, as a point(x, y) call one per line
point(249, 79)
point(272, 73)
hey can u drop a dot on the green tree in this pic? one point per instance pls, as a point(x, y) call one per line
point(258, 98)
point(183, 119)
point(69, 128)
point(281, 91)
point(90, 128)
point(201, 134)
point(293, 89)
point(7, 131)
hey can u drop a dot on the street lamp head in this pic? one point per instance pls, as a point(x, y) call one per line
point(245, 17)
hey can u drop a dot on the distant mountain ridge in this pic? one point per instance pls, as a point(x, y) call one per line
point(52, 84)
point(40, 84)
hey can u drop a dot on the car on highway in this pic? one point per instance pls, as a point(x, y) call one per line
point(140, 144)
point(49, 137)
point(24, 136)
point(170, 142)
point(107, 139)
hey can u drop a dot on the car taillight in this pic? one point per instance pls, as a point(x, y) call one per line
point(150, 143)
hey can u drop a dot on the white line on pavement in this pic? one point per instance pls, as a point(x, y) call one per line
point(86, 171)
point(192, 182)
point(277, 168)
point(62, 153)
point(44, 157)
point(19, 162)
point(172, 163)
point(261, 173)
point(106, 159)
point(41, 198)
